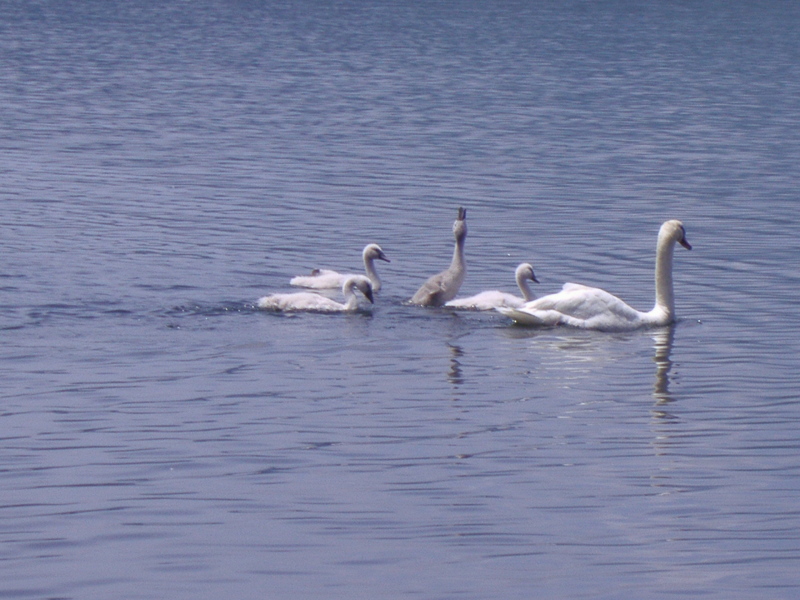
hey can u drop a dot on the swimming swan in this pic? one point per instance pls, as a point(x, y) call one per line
point(578, 305)
point(495, 299)
point(444, 286)
point(321, 279)
point(312, 302)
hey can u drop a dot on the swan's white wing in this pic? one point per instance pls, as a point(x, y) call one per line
point(487, 301)
point(320, 279)
point(583, 302)
point(301, 301)
point(587, 307)
point(525, 317)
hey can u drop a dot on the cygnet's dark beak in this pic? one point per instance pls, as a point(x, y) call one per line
point(369, 295)
point(533, 278)
point(382, 256)
point(462, 213)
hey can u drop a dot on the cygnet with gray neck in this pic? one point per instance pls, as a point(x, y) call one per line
point(444, 286)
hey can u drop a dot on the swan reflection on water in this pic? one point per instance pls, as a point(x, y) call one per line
point(663, 423)
point(663, 340)
point(585, 351)
point(454, 374)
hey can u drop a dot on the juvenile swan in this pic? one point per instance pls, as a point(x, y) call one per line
point(444, 286)
point(312, 302)
point(592, 308)
point(496, 299)
point(321, 279)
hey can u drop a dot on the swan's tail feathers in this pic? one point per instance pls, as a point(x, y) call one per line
point(522, 317)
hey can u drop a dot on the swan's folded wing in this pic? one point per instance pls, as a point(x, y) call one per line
point(582, 306)
point(319, 279)
point(569, 286)
point(522, 317)
point(575, 301)
point(468, 303)
point(433, 292)
point(487, 301)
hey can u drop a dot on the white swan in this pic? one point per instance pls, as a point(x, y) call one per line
point(592, 308)
point(496, 299)
point(312, 302)
point(321, 279)
point(444, 286)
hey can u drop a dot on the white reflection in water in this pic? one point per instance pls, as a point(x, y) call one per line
point(663, 420)
point(663, 339)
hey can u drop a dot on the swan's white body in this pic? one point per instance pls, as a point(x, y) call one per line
point(444, 286)
point(495, 299)
point(586, 307)
point(312, 302)
point(322, 279)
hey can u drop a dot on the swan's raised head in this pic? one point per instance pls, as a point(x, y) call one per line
point(673, 231)
point(373, 252)
point(362, 284)
point(460, 225)
point(525, 271)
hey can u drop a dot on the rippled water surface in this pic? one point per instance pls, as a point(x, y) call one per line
point(163, 165)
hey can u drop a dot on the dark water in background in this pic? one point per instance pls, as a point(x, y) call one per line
point(165, 164)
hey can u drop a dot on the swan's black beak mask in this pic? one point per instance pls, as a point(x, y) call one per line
point(369, 295)
point(460, 225)
point(683, 241)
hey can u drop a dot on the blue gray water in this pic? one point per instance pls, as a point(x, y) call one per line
point(165, 164)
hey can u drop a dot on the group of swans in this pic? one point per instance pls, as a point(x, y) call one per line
point(587, 307)
point(322, 279)
point(576, 305)
point(326, 279)
point(313, 302)
point(435, 292)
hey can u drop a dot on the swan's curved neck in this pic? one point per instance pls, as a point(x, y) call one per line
point(459, 262)
point(525, 288)
point(350, 299)
point(369, 267)
point(665, 297)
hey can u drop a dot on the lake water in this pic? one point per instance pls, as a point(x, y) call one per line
point(163, 165)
